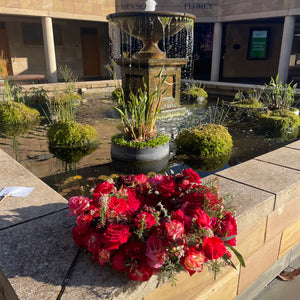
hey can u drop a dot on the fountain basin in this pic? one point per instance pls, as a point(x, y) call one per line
point(151, 27)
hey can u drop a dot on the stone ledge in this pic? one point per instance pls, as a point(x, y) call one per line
point(38, 256)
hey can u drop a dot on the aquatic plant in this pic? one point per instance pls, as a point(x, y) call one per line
point(139, 112)
point(249, 99)
point(194, 93)
point(204, 140)
point(69, 133)
point(279, 95)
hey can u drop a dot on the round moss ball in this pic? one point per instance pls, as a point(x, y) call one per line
point(206, 140)
point(71, 134)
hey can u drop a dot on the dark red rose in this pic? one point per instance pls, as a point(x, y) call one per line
point(115, 235)
point(92, 241)
point(118, 262)
point(191, 175)
point(228, 228)
point(141, 272)
point(213, 247)
point(167, 186)
point(102, 257)
point(194, 260)
point(84, 221)
point(77, 236)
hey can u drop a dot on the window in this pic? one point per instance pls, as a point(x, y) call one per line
point(258, 43)
point(33, 34)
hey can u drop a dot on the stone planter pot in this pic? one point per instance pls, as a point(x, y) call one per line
point(149, 154)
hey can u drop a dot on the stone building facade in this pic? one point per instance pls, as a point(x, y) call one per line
point(234, 40)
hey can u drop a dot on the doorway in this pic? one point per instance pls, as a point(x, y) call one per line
point(90, 53)
point(4, 48)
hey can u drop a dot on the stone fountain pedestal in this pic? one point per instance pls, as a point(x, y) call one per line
point(134, 70)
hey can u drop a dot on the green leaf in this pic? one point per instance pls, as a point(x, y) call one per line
point(226, 258)
point(238, 255)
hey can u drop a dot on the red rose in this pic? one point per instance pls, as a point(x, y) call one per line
point(84, 221)
point(141, 272)
point(118, 262)
point(117, 207)
point(115, 235)
point(104, 188)
point(202, 218)
point(213, 247)
point(92, 241)
point(228, 228)
point(155, 253)
point(133, 203)
point(77, 236)
point(194, 260)
point(191, 175)
point(175, 229)
point(102, 257)
point(78, 205)
point(167, 186)
point(144, 220)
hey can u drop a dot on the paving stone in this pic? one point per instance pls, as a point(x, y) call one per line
point(35, 256)
point(251, 204)
point(282, 182)
point(41, 201)
point(294, 145)
point(91, 281)
point(286, 157)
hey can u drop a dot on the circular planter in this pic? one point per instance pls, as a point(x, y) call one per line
point(124, 153)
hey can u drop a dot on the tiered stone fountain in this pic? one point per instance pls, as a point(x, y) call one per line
point(151, 27)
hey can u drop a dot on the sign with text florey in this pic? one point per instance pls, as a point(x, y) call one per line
point(258, 43)
point(200, 8)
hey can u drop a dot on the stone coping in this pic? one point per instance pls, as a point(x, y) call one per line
point(40, 260)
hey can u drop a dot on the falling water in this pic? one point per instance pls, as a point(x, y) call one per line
point(165, 21)
point(150, 5)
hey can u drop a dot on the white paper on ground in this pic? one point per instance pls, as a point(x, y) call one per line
point(16, 191)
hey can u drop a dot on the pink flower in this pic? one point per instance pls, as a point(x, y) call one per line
point(78, 205)
point(156, 255)
point(175, 230)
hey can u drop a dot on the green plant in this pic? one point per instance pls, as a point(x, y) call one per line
point(251, 98)
point(279, 122)
point(193, 93)
point(139, 112)
point(204, 140)
point(279, 95)
point(69, 133)
point(36, 95)
point(69, 78)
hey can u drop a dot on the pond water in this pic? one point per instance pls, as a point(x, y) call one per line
point(32, 151)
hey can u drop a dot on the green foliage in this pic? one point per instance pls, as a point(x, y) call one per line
point(206, 140)
point(69, 78)
point(119, 139)
point(193, 92)
point(279, 122)
point(278, 95)
point(251, 99)
point(139, 112)
point(71, 134)
point(62, 105)
point(17, 113)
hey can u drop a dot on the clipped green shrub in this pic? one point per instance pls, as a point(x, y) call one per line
point(159, 139)
point(206, 140)
point(17, 113)
point(71, 134)
point(279, 122)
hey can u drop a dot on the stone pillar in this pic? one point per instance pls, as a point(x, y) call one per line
point(216, 54)
point(49, 49)
point(286, 48)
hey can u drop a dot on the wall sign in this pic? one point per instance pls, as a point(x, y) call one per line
point(258, 43)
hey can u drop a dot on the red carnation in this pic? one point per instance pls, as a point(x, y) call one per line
point(194, 260)
point(213, 247)
point(115, 235)
point(175, 229)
